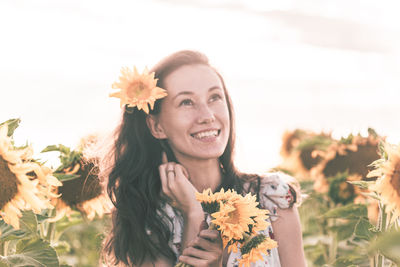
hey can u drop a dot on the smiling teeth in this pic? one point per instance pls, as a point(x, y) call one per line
point(206, 134)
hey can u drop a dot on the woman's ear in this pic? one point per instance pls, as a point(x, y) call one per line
point(155, 128)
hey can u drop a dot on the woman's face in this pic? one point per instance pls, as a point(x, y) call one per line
point(194, 116)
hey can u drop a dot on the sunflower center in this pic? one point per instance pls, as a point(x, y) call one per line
point(8, 183)
point(252, 243)
point(81, 189)
point(345, 190)
point(137, 90)
point(354, 162)
point(233, 217)
point(395, 181)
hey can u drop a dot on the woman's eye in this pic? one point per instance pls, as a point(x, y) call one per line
point(216, 97)
point(186, 102)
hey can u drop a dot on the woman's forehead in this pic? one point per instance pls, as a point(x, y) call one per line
point(192, 78)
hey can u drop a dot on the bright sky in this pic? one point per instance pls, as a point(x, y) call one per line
point(319, 65)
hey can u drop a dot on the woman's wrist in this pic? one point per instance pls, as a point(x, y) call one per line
point(194, 214)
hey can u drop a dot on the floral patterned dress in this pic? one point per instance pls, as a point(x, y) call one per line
point(274, 192)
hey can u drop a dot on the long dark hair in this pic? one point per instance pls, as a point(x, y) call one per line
point(134, 184)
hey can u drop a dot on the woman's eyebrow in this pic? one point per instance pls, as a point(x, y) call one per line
point(191, 93)
point(183, 93)
point(214, 88)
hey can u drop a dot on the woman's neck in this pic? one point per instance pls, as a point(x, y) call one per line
point(203, 174)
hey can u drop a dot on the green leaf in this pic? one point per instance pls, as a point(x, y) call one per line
point(65, 177)
point(371, 131)
point(12, 125)
point(372, 195)
point(345, 230)
point(9, 233)
point(32, 252)
point(319, 142)
point(62, 247)
point(388, 245)
point(350, 211)
point(28, 222)
point(41, 218)
point(50, 148)
point(377, 163)
point(65, 222)
point(364, 229)
point(59, 148)
point(361, 184)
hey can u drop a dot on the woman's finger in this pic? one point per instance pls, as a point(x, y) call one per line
point(195, 252)
point(180, 172)
point(164, 180)
point(170, 173)
point(212, 235)
point(203, 225)
point(205, 244)
point(194, 261)
point(164, 158)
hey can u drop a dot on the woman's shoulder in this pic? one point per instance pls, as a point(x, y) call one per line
point(274, 190)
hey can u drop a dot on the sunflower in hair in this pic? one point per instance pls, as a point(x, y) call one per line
point(137, 90)
point(388, 185)
point(18, 190)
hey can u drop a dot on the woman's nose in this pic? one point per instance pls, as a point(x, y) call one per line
point(205, 114)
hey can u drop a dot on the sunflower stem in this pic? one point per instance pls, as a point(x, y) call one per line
point(4, 248)
point(42, 231)
point(382, 225)
point(334, 244)
point(51, 229)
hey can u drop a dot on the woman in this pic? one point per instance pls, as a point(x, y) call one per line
point(159, 160)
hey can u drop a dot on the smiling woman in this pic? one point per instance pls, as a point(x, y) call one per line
point(195, 117)
point(184, 145)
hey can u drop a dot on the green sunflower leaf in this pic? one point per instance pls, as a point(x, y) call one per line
point(32, 252)
point(350, 211)
point(388, 245)
point(361, 184)
point(364, 229)
point(9, 233)
point(65, 177)
point(12, 125)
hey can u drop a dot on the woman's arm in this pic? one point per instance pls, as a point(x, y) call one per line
point(287, 232)
point(191, 224)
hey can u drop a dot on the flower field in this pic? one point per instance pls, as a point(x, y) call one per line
point(349, 213)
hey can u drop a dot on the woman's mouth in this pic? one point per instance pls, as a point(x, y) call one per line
point(208, 135)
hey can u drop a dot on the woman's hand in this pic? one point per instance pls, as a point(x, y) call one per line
point(205, 250)
point(177, 187)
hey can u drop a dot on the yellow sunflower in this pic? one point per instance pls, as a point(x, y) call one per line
point(290, 140)
point(297, 151)
point(352, 155)
point(137, 90)
point(85, 193)
point(388, 185)
point(259, 216)
point(254, 249)
point(234, 218)
point(17, 190)
point(210, 201)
